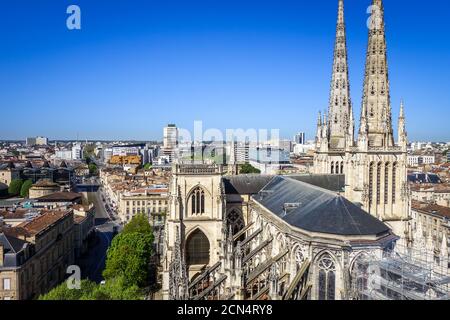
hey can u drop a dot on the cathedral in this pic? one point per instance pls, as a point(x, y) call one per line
point(373, 164)
point(258, 237)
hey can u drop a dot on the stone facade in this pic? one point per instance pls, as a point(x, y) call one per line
point(242, 250)
point(374, 166)
point(39, 251)
point(150, 201)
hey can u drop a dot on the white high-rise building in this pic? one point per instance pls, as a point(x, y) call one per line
point(170, 142)
point(77, 152)
point(170, 137)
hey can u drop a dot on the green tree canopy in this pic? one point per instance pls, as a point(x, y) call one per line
point(129, 257)
point(62, 292)
point(15, 186)
point(248, 168)
point(114, 289)
point(147, 166)
point(93, 170)
point(25, 189)
point(138, 224)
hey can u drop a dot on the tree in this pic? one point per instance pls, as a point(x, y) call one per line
point(62, 292)
point(93, 170)
point(129, 257)
point(25, 189)
point(147, 166)
point(138, 224)
point(248, 168)
point(114, 289)
point(15, 186)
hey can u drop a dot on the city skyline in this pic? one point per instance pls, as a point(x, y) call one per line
point(132, 73)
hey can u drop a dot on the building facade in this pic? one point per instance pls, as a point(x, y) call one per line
point(374, 165)
point(151, 201)
point(35, 254)
point(263, 237)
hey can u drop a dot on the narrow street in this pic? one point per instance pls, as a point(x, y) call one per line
point(94, 261)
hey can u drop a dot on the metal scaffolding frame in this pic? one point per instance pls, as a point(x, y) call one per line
point(403, 274)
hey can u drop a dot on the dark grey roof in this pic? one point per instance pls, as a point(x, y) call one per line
point(318, 210)
point(11, 244)
point(419, 177)
point(332, 182)
point(245, 183)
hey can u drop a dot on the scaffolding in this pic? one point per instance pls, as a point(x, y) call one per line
point(403, 274)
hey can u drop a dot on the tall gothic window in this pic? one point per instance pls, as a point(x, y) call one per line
point(198, 201)
point(332, 167)
point(197, 248)
point(342, 167)
point(235, 220)
point(327, 278)
point(394, 181)
point(386, 183)
point(378, 183)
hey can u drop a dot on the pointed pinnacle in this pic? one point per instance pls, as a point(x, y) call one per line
point(341, 12)
point(402, 109)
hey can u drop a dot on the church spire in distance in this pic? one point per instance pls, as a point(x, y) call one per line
point(339, 109)
point(376, 106)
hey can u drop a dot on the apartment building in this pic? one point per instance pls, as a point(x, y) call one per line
point(153, 201)
point(34, 255)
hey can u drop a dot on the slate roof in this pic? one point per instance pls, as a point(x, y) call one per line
point(332, 182)
point(318, 210)
point(3, 186)
point(11, 244)
point(245, 183)
point(419, 177)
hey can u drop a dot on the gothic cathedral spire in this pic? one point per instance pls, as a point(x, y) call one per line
point(339, 110)
point(376, 118)
point(335, 132)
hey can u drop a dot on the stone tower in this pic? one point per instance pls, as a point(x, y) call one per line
point(335, 130)
point(194, 225)
point(376, 173)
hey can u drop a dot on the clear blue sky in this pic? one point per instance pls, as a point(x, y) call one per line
point(138, 65)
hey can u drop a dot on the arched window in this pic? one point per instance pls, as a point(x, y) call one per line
point(332, 167)
point(327, 278)
point(378, 183)
point(394, 180)
point(197, 248)
point(235, 220)
point(371, 168)
point(342, 167)
point(198, 201)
